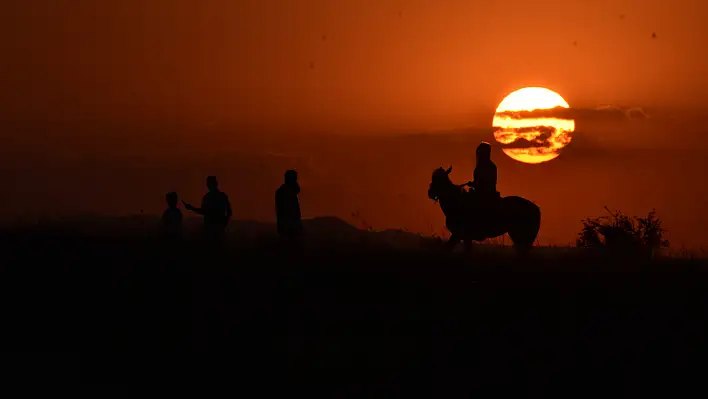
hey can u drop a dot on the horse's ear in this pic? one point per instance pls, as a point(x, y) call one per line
point(449, 170)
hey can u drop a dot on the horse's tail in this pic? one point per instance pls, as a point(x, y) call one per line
point(524, 221)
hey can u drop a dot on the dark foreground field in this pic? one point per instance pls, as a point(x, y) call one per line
point(80, 308)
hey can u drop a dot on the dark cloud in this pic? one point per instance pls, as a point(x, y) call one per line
point(557, 112)
point(636, 113)
point(546, 131)
point(542, 140)
point(525, 144)
point(602, 113)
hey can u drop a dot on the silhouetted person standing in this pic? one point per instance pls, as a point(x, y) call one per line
point(287, 207)
point(215, 208)
point(172, 218)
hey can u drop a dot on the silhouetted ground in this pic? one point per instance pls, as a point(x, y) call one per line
point(92, 308)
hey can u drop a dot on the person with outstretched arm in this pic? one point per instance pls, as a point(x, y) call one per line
point(215, 208)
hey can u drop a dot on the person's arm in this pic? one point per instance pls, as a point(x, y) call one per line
point(277, 203)
point(475, 178)
point(228, 207)
point(191, 208)
point(494, 175)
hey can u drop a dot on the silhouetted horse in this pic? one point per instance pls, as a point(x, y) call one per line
point(517, 216)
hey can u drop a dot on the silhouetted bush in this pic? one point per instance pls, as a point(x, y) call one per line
point(621, 233)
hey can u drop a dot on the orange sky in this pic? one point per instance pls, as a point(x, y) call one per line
point(104, 106)
point(248, 61)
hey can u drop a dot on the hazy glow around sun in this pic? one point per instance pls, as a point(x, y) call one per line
point(528, 139)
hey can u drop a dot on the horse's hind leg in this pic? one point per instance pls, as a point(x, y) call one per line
point(469, 244)
point(522, 243)
point(523, 249)
point(450, 244)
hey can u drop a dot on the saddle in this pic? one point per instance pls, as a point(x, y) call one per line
point(485, 213)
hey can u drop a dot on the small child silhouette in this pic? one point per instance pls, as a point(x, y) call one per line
point(172, 217)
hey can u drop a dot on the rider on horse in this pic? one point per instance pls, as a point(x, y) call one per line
point(484, 184)
point(485, 173)
point(482, 213)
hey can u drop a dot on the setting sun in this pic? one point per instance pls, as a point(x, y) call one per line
point(528, 135)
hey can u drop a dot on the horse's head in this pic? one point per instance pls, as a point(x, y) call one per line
point(440, 183)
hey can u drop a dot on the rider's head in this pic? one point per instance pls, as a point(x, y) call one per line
point(211, 183)
point(290, 176)
point(484, 151)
